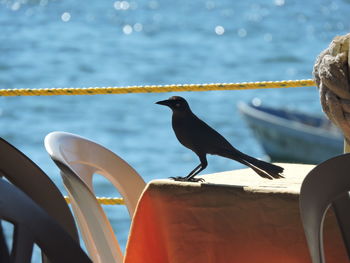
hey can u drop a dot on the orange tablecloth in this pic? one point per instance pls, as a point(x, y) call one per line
point(233, 217)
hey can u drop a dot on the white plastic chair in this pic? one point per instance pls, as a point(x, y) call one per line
point(79, 159)
point(327, 184)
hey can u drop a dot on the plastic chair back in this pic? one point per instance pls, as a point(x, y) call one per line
point(79, 159)
point(29, 178)
point(324, 185)
point(32, 225)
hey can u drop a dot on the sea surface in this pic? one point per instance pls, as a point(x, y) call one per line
point(58, 44)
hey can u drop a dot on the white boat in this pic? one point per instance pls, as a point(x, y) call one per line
point(289, 136)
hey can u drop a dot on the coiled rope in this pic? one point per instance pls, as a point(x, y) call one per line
point(104, 200)
point(158, 88)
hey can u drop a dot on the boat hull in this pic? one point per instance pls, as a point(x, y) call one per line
point(285, 138)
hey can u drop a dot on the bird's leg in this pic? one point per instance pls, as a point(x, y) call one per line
point(198, 169)
point(189, 177)
point(194, 172)
point(186, 178)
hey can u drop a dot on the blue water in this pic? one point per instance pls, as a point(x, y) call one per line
point(45, 44)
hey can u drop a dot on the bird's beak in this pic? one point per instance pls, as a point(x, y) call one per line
point(164, 102)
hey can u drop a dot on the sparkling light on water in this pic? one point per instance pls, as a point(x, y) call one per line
point(121, 5)
point(279, 2)
point(219, 30)
point(127, 29)
point(65, 16)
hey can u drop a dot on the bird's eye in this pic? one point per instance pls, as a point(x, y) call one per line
point(177, 105)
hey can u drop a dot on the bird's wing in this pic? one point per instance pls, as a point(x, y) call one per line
point(209, 138)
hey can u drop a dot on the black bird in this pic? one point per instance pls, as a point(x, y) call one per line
point(198, 136)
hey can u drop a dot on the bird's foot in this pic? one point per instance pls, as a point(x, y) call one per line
point(186, 179)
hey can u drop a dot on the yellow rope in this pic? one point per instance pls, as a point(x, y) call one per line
point(154, 89)
point(160, 88)
point(104, 200)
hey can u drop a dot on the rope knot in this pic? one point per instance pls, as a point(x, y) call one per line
point(331, 73)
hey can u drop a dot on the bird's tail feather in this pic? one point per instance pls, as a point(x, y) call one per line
point(264, 169)
point(262, 172)
point(263, 165)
